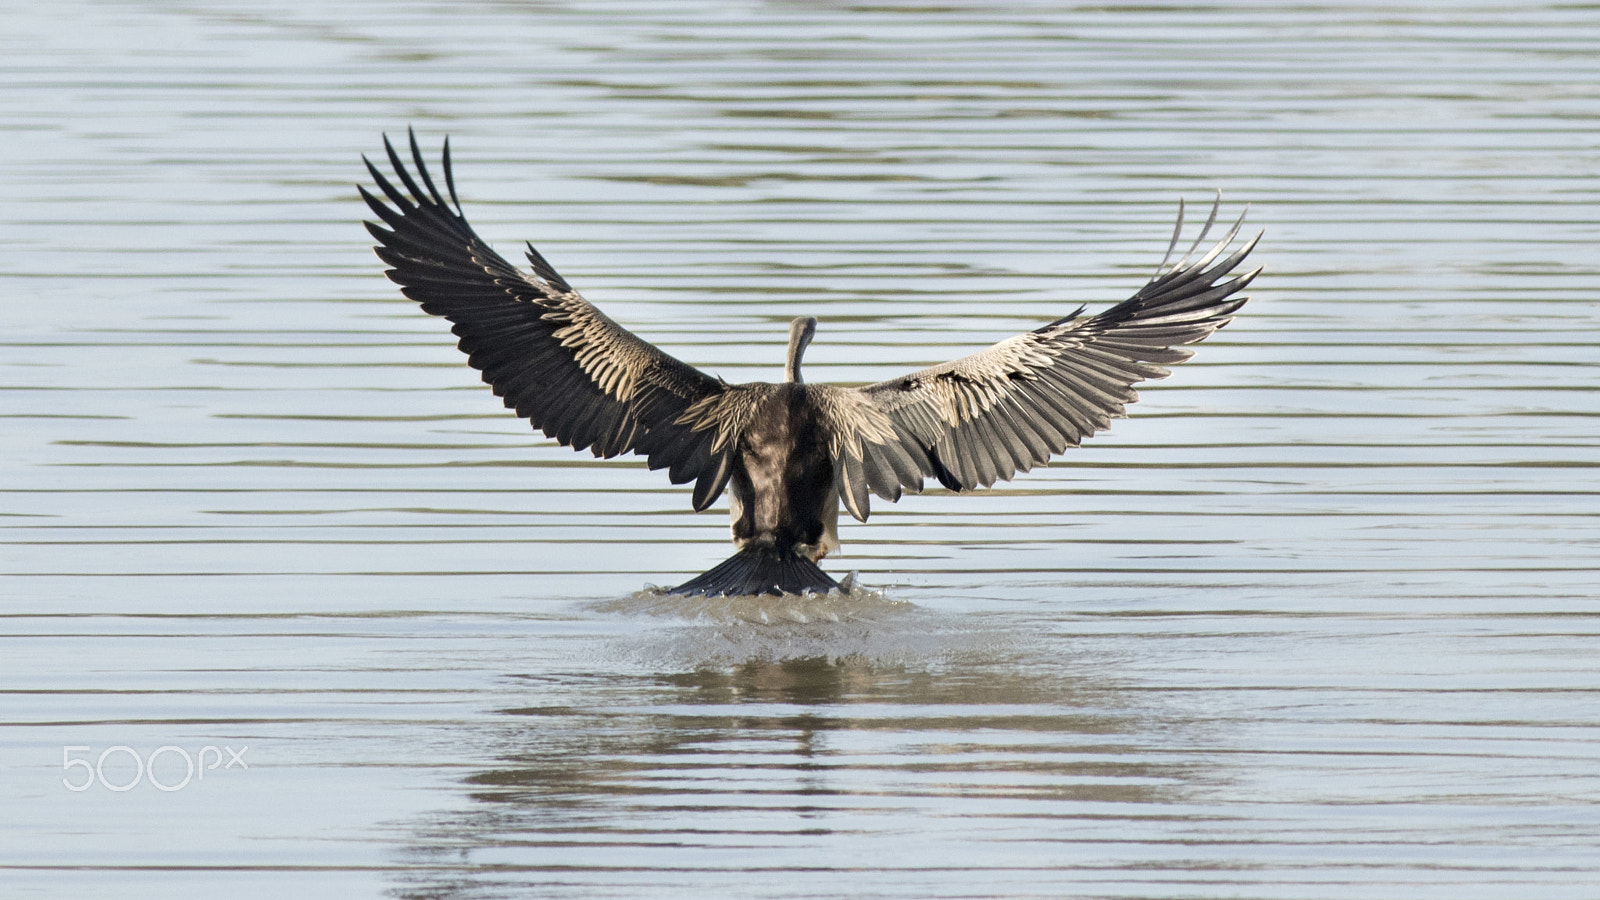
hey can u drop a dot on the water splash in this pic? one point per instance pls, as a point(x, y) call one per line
point(849, 602)
point(851, 623)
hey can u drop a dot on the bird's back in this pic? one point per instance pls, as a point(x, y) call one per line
point(782, 490)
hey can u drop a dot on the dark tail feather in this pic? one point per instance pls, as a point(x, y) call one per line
point(759, 570)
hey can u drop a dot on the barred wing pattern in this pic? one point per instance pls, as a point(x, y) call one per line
point(558, 361)
point(985, 417)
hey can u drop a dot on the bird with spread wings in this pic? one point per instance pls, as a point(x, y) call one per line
point(789, 454)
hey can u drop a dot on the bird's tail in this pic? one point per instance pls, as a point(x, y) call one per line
point(759, 569)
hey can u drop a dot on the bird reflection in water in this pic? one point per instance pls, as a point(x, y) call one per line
point(732, 771)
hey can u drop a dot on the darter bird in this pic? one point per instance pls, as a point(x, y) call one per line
point(788, 454)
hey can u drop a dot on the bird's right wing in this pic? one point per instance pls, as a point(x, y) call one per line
point(985, 417)
point(554, 358)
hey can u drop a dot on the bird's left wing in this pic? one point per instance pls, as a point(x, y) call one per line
point(554, 358)
point(985, 417)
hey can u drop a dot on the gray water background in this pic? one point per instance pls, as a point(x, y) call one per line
point(1318, 621)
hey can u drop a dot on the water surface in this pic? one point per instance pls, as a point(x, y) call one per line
point(1318, 621)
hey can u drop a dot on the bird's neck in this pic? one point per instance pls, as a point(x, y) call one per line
point(799, 336)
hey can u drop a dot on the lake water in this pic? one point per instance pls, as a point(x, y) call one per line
point(1319, 620)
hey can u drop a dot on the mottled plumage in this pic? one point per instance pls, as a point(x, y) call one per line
point(790, 454)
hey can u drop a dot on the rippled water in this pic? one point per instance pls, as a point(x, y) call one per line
point(1318, 621)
